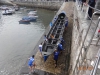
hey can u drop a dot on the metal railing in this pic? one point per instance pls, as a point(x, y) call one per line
point(93, 72)
point(82, 56)
point(96, 63)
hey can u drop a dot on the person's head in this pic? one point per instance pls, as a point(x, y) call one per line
point(32, 56)
point(51, 35)
point(55, 50)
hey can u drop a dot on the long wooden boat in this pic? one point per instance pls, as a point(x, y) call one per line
point(57, 31)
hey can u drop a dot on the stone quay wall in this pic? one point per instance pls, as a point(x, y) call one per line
point(53, 5)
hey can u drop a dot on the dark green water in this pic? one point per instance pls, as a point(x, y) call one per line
point(18, 40)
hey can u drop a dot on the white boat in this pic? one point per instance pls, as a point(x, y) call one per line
point(11, 10)
point(3, 8)
point(34, 11)
point(6, 12)
point(33, 16)
point(31, 13)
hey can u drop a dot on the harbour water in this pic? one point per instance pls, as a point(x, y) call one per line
point(17, 41)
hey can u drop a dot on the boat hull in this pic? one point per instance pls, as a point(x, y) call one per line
point(7, 14)
point(24, 22)
point(31, 19)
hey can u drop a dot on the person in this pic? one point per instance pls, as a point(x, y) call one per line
point(31, 64)
point(66, 24)
point(62, 41)
point(49, 40)
point(98, 33)
point(55, 19)
point(51, 25)
point(79, 2)
point(52, 36)
point(83, 3)
point(40, 48)
point(56, 53)
point(90, 10)
point(45, 38)
point(60, 47)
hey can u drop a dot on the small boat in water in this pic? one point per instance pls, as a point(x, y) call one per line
point(7, 12)
point(24, 22)
point(11, 10)
point(31, 13)
point(16, 8)
point(33, 16)
point(27, 20)
point(4, 7)
point(31, 19)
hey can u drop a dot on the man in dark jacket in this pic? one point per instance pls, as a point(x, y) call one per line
point(90, 10)
point(56, 53)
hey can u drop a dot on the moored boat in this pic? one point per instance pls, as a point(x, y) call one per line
point(4, 8)
point(24, 22)
point(6, 12)
point(11, 10)
point(31, 13)
point(16, 8)
point(33, 16)
point(31, 19)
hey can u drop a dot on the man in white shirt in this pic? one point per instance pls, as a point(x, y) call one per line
point(40, 48)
